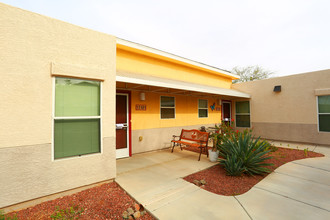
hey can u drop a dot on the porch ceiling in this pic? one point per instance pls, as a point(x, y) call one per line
point(135, 82)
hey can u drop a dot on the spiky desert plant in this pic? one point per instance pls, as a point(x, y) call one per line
point(242, 154)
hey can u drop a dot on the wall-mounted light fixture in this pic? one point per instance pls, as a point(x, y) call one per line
point(277, 89)
point(142, 96)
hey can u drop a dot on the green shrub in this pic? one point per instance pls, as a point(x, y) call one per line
point(4, 217)
point(73, 212)
point(242, 154)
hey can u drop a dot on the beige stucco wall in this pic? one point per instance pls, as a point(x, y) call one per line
point(291, 114)
point(34, 49)
point(157, 138)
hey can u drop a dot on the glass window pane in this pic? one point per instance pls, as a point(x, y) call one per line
point(74, 97)
point(324, 122)
point(202, 103)
point(242, 107)
point(202, 113)
point(243, 120)
point(76, 137)
point(166, 101)
point(167, 113)
point(324, 104)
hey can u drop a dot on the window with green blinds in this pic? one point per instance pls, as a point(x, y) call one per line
point(77, 117)
point(324, 113)
point(202, 108)
point(167, 107)
point(242, 114)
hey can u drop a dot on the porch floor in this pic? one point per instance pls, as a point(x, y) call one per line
point(155, 180)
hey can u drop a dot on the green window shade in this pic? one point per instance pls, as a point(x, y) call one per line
point(324, 122)
point(202, 113)
point(324, 113)
point(324, 104)
point(243, 120)
point(242, 114)
point(243, 107)
point(76, 137)
point(167, 113)
point(202, 103)
point(166, 101)
point(74, 97)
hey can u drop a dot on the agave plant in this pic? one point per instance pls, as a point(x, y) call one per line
point(242, 154)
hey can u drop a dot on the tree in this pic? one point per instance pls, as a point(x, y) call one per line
point(250, 73)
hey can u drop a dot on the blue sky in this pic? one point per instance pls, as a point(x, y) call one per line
point(284, 36)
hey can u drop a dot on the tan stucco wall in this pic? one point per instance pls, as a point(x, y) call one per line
point(291, 114)
point(34, 49)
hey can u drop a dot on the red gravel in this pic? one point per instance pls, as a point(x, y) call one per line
point(218, 182)
point(107, 201)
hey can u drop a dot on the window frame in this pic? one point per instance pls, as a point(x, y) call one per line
point(160, 109)
point(73, 118)
point(318, 114)
point(249, 114)
point(207, 108)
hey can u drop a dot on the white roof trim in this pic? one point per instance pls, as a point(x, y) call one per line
point(173, 84)
point(172, 56)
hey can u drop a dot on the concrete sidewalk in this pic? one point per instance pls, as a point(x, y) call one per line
point(297, 190)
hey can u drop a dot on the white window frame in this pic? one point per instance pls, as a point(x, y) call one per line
point(207, 108)
point(249, 114)
point(318, 113)
point(79, 117)
point(160, 104)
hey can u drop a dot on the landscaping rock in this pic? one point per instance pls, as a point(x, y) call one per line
point(125, 215)
point(130, 211)
point(196, 182)
point(137, 215)
point(137, 207)
point(143, 213)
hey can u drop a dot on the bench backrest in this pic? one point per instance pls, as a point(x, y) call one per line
point(195, 135)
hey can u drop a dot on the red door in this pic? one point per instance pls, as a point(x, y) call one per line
point(226, 111)
point(122, 126)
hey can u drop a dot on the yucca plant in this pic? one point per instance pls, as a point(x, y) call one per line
point(242, 154)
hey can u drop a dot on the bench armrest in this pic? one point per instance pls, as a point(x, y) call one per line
point(174, 137)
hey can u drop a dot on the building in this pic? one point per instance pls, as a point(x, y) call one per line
point(74, 100)
point(59, 110)
point(293, 108)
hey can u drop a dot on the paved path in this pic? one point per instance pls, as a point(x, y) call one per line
point(297, 190)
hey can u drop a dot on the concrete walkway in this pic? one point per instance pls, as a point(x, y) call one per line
point(297, 190)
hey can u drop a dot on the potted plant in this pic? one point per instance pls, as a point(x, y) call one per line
point(221, 130)
point(214, 153)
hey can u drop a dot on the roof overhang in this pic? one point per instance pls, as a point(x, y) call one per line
point(145, 50)
point(144, 82)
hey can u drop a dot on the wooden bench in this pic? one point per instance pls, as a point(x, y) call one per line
point(193, 138)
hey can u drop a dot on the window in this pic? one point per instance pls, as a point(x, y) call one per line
point(202, 108)
point(324, 113)
point(167, 107)
point(77, 117)
point(243, 114)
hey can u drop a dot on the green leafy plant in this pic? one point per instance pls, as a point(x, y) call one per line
point(225, 128)
point(242, 154)
point(4, 217)
point(306, 152)
point(72, 212)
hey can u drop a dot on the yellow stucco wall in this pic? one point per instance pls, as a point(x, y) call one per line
point(29, 44)
point(148, 64)
point(186, 112)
